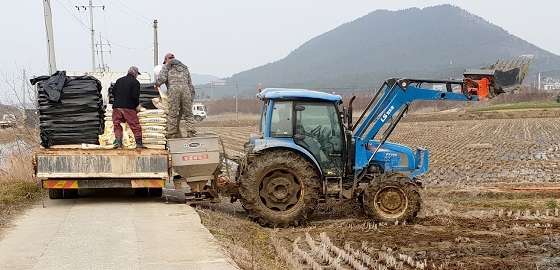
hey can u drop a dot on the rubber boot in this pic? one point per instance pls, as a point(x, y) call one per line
point(139, 144)
point(119, 143)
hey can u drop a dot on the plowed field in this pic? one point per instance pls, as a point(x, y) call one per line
point(491, 200)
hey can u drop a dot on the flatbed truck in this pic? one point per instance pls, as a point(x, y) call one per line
point(63, 170)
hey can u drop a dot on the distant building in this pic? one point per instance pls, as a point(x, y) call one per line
point(552, 86)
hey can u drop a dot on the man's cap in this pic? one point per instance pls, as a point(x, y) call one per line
point(168, 55)
point(133, 70)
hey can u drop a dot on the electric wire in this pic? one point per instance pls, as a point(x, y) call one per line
point(134, 11)
point(105, 39)
point(144, 22)
point(106, 34)
point(77, 19)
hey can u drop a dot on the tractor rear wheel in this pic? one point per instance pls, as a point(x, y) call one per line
point(279, 189)
point(392, 198)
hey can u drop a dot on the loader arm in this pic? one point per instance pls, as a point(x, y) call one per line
point(391, 97)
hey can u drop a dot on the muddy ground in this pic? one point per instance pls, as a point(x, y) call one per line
point(471, 216)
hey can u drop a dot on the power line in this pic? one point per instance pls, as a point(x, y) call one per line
point(105, 21)
point(125, 47)
point(144, 22)
point(105, 39)
point(78, 14)
point(77, 19)
point(134, 11)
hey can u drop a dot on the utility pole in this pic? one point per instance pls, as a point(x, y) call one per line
point(155, 44)
point(539, 85)
point(236, 111)
point(92, 32)
point(50, 36)
point(102, 67)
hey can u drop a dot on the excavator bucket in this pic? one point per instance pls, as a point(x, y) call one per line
point(501, 77)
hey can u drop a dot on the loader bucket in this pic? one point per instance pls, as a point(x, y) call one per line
point(501, 77)
point(510, 73)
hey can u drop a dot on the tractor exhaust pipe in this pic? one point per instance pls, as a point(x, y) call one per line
point(349, 115)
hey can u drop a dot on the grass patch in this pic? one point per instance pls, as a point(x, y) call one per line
point(15, 196)
point(18, 191)
point(18, 188)
point(518, 106)
point(552, 204)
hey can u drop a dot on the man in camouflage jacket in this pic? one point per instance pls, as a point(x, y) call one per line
point(180, 92)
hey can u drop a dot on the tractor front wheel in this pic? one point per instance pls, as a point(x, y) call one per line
point(392, 198)
point(279, 189)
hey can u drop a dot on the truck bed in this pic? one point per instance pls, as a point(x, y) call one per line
point(102, 163)
point(102, 168)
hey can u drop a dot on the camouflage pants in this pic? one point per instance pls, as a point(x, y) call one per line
point(180, 107)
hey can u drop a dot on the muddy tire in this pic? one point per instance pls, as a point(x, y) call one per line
point(279, 189)
point(198, 118)
point(56, 193)
point(391, 198)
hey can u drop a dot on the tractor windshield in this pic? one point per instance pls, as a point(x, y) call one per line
point(318, 124)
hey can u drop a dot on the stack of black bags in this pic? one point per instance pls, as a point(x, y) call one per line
point(147, 93)
point(71, 109)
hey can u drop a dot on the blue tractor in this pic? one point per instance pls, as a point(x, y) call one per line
point(308, 149)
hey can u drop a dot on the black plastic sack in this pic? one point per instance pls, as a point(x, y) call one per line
point(77, 117)
point(147, 93)
point(50, 138)
point(53, 85)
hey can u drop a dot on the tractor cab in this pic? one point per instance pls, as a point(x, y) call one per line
point(306, 121)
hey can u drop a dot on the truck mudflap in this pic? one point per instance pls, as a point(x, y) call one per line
point(103, 183)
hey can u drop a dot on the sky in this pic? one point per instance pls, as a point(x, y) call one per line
point(214, 37)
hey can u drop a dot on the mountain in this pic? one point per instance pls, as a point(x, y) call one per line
point(198, 79)
point(436, 42)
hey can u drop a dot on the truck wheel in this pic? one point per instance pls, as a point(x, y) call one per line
point(55, 193)
point(279, 189)
point(70, 193)
point(391, 198)
point(155, 192)
point(198, 118)
point(142, 192)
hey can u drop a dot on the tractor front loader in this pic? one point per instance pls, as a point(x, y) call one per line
point(308, 150)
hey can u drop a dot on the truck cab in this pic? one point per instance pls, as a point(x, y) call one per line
point(199, 111)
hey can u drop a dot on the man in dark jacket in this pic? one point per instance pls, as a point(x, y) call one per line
point(126, 94)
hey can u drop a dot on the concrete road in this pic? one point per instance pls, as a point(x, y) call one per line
point(116, 232)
